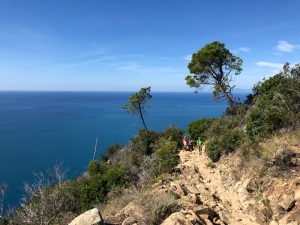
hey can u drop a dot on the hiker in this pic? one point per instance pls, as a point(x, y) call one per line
point(190, 144)
point(184, 142)
point(203, 149)
point(199, 144)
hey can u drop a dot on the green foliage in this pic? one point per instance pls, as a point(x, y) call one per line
point(4, 222)
point(199, 128)
point(138, 102)
point(211, 165)
point(231, 139)
point(143, 142)
point(275, 105)
point(166, 157)
point(97, 167)
point(224, 144)
point(214, 65)
point(112, 149)
point(174, 133)
point(214, 149)
point(95, 189)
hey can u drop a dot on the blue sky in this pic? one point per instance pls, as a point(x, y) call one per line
point(118, 45)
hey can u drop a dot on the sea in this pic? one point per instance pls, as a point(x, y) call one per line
point(41, 129)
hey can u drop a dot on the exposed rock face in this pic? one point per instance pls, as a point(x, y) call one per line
point(90, 217)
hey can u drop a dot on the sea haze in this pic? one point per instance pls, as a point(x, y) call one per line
point(40, 129)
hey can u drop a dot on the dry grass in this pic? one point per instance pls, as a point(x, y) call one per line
point(289, 141)
point(157, 207)
point(117, 200)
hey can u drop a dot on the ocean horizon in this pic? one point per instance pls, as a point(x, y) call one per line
point(39, 129)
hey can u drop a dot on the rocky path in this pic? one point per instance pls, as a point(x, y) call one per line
point(206, 182)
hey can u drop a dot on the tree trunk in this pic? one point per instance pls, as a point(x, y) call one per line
point(228, 97)
point(141, 114)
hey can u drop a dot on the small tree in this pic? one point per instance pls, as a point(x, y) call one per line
point(137, 103)
point(214, 65)
point(2, 192)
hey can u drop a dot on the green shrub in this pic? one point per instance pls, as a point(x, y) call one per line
point(214, 149)
point(166, 157)
point(176, 134)
point(275, 105)
point(199, 128)
point(4, 222)
point(97, 167)
point(211, 165)
point(224, 144)
point(112, 149)
point(230, 140)
point(144, 141)
point(95, 189)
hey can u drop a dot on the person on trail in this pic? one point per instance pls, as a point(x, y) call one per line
point(184, 142)
point(203, 149)
point(190, 144)
point(199, 144)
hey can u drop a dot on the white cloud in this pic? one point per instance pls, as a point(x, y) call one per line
point(285, 46)
point(270, 64)
point(136, 67)
point(240, 49)
point(243, 49)
point(188, 57)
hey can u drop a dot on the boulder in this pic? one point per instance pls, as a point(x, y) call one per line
point(182, 218)
point(90, 217)
point(297, 194)
point(252, 185)
point(129, 221)
point(132, 213)
point(288, 202)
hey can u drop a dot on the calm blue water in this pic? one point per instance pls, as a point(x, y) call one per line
point(40, 129)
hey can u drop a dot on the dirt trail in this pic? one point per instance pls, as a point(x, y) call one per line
point(225, 201)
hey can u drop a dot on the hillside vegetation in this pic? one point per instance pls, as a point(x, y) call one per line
point(271, 114)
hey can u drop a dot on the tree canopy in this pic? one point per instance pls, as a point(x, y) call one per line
point(138, 102)
point(214, 65)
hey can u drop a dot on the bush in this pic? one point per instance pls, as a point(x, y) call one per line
point(199, 128)
point(224, 144)
point(112, 149)
point(176, 134)
point(166, 157)
point(158, 208)
point(230, 140)
point(275, 105)
point(94, 167)
point(95, 189)
point(143, 142)
point(214, 149)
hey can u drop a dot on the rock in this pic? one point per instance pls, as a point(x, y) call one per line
point(129, 221)
point(133, 214)
point(273, 223)
point(182, 218)
point(88, 218)
point(205, 213)
point(297, 194)
point(251, 185)
point(288, 202)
